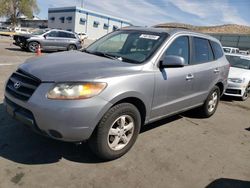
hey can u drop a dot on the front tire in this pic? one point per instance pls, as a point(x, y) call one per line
point(211, 103)
point(33, 46)
point(117, 132)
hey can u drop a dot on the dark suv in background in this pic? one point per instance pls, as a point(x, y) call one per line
point(49, 40)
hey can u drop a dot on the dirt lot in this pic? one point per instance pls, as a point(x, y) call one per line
point(183, 151)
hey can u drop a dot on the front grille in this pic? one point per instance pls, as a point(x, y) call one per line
point(233, 91)
point(22, 85)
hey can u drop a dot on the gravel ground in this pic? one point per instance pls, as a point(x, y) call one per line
point(183, 151)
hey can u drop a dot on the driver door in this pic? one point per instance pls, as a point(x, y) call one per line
point(174, 86)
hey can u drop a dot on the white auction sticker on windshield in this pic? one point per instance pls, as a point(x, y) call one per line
point(151, 37)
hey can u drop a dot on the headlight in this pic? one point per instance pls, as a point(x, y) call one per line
point(74, 91)
point(237, 80)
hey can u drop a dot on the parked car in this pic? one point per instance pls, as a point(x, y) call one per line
point(231, 50)
point(128, 78)
point(82, 36)
point(48, 40)
point(22, 30)
point(239, 76)
point(244, 52)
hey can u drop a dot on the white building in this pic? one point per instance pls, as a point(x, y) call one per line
point(78, 20)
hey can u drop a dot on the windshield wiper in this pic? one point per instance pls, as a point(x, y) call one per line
point(111, 56)
point(103, 55)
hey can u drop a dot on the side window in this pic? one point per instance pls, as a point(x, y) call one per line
point(66, 35)
point(180, 47)
point(202, 51)
point(62, 35)
point(218, 52)
point(53, 34)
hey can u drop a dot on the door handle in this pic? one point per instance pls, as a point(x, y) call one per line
point(216, 70)
point(189, 77)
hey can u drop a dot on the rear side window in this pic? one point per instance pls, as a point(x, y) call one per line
point(66, 35)
point(180, 47)
point(202, 51)
point(218, 52)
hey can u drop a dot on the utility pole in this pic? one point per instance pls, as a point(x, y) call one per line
point(81, 3)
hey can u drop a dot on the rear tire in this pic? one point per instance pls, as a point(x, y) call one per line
point(71, 47)
point(211, 103)
point(117, 132)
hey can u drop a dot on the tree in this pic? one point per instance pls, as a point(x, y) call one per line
point(11, 8)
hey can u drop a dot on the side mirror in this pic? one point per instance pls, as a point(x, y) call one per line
point(45, 36)
point(172, 61)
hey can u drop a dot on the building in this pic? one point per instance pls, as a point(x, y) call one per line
point(80, 20)
point(241, 41)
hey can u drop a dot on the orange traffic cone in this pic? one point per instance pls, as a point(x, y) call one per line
point(38, 51)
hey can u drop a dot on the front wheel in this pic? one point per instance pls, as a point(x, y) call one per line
point(117, 132)
point(33, 46)
point(211, 103)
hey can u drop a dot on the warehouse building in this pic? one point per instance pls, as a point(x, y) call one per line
point(241, 41)
point(81, 20)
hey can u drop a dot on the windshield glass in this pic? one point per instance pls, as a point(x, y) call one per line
point(38, 32)
point(129, 46)
point(239, 62)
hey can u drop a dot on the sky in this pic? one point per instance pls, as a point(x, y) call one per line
point(152, 12)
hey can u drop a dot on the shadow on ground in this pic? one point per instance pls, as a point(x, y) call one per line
point(16, 49)
point(228, 183)
point(21, 145)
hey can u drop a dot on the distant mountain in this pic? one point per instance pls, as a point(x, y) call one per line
point(228, 28)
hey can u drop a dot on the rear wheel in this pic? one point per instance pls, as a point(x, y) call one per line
point(71, 47)
point(211, 103)
point(33, 46)
point(116, 132)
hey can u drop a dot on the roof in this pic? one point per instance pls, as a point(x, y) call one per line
point(171, 31)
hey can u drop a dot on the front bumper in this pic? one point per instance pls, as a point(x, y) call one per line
point(66, 120)
point(235, 89)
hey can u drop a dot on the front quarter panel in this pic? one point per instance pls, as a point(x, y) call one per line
point(139, 85)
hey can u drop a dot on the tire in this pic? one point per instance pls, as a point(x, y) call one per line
point(108, 141)
point(71, 47)
point(210, 105)
point(246, 93)
point(33, 46)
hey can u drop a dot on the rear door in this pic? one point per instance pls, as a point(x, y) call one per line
point(205, 66)
point(64, 39)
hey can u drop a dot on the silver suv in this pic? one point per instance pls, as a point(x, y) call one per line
point(49, 40)
point(126, 79)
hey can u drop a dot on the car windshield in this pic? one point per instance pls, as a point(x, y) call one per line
point(239, 62)
point(39, 32)
point(128, 46)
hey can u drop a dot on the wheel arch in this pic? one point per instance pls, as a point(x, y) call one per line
point(221, 87)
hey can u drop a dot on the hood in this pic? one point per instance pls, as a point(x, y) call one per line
point(75, 66)
point(238, 72)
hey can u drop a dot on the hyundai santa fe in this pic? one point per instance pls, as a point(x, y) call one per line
point(126, 79)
